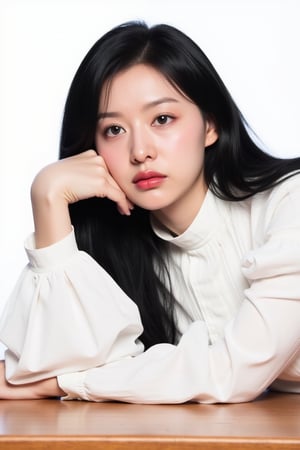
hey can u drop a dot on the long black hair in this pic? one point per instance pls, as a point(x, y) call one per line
point(235, 167)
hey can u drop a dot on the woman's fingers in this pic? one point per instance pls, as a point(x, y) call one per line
point(77, 178)
point(94, 180)
point(110, 189)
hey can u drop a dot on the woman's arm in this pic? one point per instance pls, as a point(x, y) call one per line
point(40, 389)
point(63, 302)
point(69, 315)
point(257, 346)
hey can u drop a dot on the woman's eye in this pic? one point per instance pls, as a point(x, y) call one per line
point(162, 120)
point(113, 130)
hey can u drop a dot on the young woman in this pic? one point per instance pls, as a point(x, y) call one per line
point(165, 263)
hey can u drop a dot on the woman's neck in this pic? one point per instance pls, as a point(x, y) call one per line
point(179, 216)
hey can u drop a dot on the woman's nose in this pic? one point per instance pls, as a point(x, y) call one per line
point(142, 148)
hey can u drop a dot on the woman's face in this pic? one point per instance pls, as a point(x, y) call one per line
point(152, 139)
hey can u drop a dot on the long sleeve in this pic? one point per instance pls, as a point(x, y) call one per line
point(258, 344)
point(65, 314)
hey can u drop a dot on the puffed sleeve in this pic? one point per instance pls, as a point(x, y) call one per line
point(259, 344)
point(65, 314)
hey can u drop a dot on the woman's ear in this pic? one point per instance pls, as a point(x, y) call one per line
point(211, 133)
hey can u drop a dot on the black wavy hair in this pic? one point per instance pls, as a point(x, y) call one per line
point(235, 167)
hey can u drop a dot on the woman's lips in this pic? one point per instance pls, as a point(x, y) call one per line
point(148, 180)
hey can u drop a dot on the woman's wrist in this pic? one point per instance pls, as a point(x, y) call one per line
point(48, 388)
point(39, 389)
point(51, 220)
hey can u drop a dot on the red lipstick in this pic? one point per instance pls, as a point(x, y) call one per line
point(148, 180)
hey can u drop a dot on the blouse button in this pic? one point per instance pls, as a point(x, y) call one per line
point(249, 261)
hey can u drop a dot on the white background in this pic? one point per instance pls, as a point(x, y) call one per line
point(254, 45)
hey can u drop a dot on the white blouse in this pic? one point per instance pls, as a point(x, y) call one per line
point(235, 273)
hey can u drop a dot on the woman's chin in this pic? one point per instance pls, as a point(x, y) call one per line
point(151, 205)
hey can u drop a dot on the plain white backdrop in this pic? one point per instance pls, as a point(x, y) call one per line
point(254, 45)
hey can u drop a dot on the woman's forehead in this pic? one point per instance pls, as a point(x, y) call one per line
point(140, 83)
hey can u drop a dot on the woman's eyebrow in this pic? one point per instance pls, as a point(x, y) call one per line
point(159, 101)
point(149, 105)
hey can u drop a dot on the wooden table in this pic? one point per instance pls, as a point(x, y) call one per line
point(271, 422)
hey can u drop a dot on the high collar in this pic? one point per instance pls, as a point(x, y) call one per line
point(199, 231)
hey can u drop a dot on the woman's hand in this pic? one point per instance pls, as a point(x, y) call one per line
point(77, 178)
point(38, 390)
point(67, 181)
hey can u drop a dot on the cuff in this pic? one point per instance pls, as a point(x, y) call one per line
point(47, 257)
point(73, 385)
